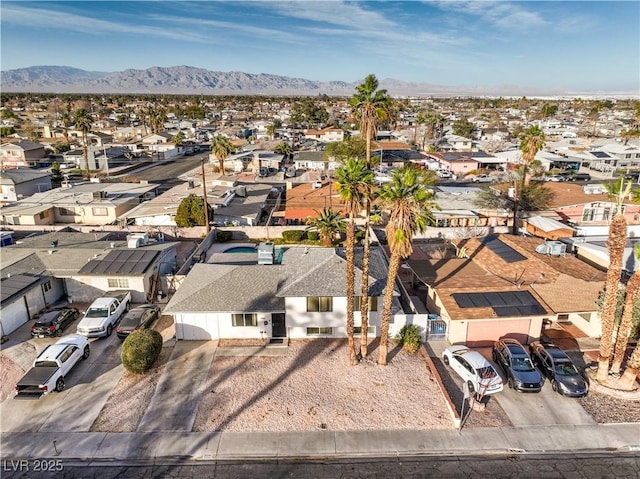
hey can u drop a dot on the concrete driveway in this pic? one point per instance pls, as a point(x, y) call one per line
point(174, 404)
point(541, 409)
point(87, 387)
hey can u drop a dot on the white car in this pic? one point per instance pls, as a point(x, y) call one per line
point(477, 372)
point(483, 179)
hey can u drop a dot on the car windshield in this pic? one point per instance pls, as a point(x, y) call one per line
point(566, 369)
point(522, 364)
point(97, 313)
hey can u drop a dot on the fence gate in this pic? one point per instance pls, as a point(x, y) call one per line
point(437, 330)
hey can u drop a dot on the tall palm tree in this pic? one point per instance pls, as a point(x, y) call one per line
point(354, 182)
point(630, 299)
point(616, 243)
point(327, 223)
point(410, 204)
point(632, 370)
point(370, 106)
point(65, 120)
point(84, 122)
point(531, 143)
point(221, 147)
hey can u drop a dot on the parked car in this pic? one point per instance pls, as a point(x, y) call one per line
point(51, 366)
point(515, 362)
point(554, 178)
point(474, 369)
point(482, 179)
point(140, 317)
point(104, 313)
point(578, 177)
point(53, 323)
point(564, 376)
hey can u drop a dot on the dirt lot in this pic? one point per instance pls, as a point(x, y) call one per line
point(313, 387)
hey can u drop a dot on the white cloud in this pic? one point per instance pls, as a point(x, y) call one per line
point(505, 15)
point(36, 17)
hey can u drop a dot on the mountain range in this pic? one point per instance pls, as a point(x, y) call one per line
point(191, 80)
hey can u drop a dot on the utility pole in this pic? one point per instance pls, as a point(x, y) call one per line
point(204, 195)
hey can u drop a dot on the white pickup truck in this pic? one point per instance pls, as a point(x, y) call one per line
point(101, 317)
point(51, 366)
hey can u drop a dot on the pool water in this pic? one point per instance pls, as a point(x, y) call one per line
point(241, 249)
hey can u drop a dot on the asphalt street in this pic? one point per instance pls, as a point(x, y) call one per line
point(574, 466)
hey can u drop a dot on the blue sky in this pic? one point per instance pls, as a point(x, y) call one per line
point(562, 46)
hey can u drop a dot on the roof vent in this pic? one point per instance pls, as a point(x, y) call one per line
point(316, 185)
point(552, 248)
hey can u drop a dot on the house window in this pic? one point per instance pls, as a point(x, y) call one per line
point(245, 319)
point(373, 303)
point(66, 211)
point(596, 212)
point(43, 215)
point(371, 330)
point(319, 331)
point(99, 211)
point(46, 286)
point(117, 282)
point(319, 304)
point(563, 317)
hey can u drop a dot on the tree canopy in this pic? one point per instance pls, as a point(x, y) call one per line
point(191, 212)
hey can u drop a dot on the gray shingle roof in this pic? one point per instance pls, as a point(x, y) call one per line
point(22, 175)
point(232, 285)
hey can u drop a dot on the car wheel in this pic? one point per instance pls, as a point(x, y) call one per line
point(472, 390)
point(86, 352)
point(554, 385)
point(510, 383)
point(59, 332)
point(109, 330)
point(59, 384)
point(446, 360)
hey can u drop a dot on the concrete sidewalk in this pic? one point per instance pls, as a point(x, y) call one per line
point(622, 438)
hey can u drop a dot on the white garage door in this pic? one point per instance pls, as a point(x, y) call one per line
point(484, 333)
point(196, 327)
point(13, 316)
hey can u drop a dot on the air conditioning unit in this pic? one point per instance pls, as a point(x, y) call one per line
point(135, 240)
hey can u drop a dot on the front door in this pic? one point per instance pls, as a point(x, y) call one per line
point(278, 328)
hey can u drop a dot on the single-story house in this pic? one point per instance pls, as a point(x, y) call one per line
point(504, 285)
point(88, 203)
point(307, 199)
point(326, 135)
point(302, 294)
point(25, 295)
point(87, 264)
point(17, 183)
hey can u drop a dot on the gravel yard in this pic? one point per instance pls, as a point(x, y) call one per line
point(313, 387)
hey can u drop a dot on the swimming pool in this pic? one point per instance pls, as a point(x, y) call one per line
point(241, 249)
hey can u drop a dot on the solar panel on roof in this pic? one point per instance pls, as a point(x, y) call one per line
point(600, 154)
point(507, 303)
point(504, 251)
point(121, 262)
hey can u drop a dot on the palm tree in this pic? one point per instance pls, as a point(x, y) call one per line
point(84, 122)
point(622, 337)
point(531, 143)
point(632, 370)
point(221, 147)
point(410, 204)
point(370, 106)
point(355, 181)
point(328, 223)
point(616, 244)
point(65, 120)
point(157, 118)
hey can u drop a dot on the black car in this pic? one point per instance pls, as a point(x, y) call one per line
point(53, 323)
point(140, 317)
point(564, 376)
point(579, 177)
point(517, 366)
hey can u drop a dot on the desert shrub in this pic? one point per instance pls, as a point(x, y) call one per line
point(223, 236)
point(292, 235)
point(140, 350)
point(359, 236)
point(410, 338)
point(313, 235)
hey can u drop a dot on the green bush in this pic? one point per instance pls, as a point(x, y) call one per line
point(140, 350)
point(410, 338)
point(292, 236)
point(223, 236)
point(359, 236)
point(313, 235)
